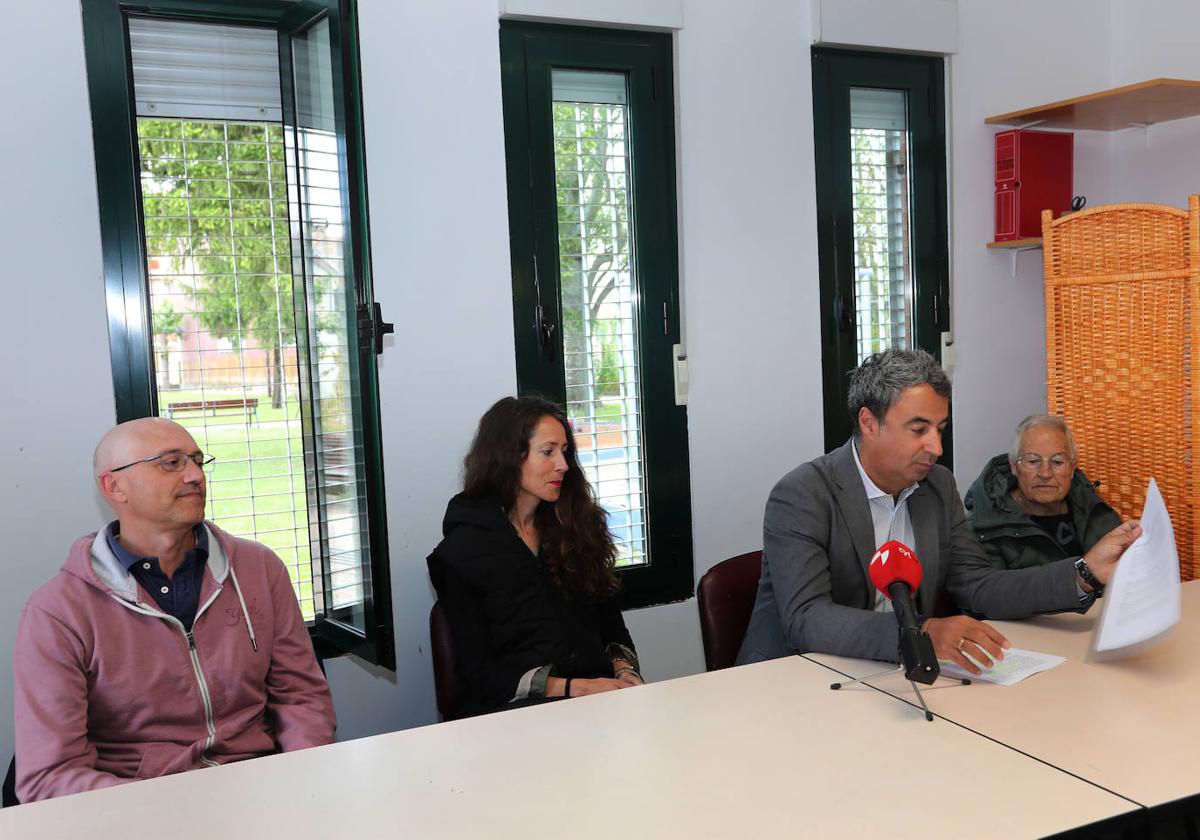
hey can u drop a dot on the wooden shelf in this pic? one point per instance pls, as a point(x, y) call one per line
point(1140, 105)
point(1018, 244)
point(1146, 103)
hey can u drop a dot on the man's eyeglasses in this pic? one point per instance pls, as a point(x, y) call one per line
point(173, 461)
point(1033, 463)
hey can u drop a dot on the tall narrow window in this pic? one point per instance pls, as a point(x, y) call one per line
point(599, 321)
point(589, 137)
point(879, 166)
point(241, 269)
point(881, 214)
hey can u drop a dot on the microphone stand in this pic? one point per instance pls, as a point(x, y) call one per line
point(917, 661)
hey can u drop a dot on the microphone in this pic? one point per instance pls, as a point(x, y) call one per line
point(896, 573)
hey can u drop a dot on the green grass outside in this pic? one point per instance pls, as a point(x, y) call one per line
point(608, 411)
point(265, 412)
point(256, 486)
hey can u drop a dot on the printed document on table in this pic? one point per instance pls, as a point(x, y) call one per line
point(1142, 600)
point(1016, 665)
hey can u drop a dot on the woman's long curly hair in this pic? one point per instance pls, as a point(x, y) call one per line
point(575, 542)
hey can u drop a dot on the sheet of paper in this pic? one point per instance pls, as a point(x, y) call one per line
point(1142, 600)
point(1016, 665)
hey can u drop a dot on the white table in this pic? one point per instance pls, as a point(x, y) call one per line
point(1131, 726)
point(757, 752)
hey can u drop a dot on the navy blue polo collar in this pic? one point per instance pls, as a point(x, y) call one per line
point(127, 558)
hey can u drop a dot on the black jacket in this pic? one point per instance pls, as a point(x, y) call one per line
point(506, 615)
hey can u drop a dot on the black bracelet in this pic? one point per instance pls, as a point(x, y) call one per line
point(1089, 577)
point(567, 688)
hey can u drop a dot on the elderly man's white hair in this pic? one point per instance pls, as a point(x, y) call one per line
point(1034, 421)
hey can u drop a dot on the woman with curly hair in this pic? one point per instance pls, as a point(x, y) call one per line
point(524, 571)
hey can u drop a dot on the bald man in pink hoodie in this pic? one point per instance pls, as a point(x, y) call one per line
point(163, 644)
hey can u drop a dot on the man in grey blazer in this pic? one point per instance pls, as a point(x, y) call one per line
point(825, 519)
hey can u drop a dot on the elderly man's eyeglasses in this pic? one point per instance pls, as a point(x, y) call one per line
point(1033, 463)
point(173, 461)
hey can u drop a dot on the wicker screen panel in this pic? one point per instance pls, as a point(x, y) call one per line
point(1122, 287)
point(1117, 239)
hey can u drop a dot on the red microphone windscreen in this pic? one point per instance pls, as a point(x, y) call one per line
point(894, 561)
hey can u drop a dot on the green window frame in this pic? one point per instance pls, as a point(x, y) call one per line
point(530, 54)
point(835, 73)
point(363, 628)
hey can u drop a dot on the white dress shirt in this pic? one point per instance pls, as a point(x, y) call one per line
point(889, 516)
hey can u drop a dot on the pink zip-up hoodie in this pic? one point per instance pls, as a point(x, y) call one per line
point(109, 689)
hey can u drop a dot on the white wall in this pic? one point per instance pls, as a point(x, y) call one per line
point(925, 26)
point(1161, 164)
point(999, 319)
point(657, 14)
point(57, 382)
point(435, 165)
point(435, 156)
point(1077, 47)
point(749, 264)
point(744, 219)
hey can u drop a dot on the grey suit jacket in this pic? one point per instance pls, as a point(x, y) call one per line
point(815, 595)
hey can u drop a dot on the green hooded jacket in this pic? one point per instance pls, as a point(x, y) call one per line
point(1011, 539)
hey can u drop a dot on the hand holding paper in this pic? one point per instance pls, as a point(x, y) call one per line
point(1142, 601)
point(1103, 557)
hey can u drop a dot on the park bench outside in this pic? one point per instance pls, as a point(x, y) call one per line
point(247, 405)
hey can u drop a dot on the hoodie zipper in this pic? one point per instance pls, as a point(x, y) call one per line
point(201, 682)
point(208, 713)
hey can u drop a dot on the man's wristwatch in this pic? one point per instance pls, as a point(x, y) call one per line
point(1090, 579)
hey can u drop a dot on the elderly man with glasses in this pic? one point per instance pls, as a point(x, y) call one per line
point(163, 644)
point(1033, 505)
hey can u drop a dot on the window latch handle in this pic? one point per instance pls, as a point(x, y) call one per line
point(843, 315)
point(545, 329)
point(372, 328)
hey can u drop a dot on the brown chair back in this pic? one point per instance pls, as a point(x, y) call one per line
point(445, 670)
point(726, 598)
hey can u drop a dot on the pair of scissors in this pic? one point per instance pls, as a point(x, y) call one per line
point(1077, 203)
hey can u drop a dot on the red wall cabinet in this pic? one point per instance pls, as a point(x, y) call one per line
point(1033, 173)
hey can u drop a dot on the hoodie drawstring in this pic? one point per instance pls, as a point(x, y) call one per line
point(245, 612)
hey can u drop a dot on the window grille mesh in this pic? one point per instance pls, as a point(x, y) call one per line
point(252, 313)
point(214, 201)
point(599, 295)
point(335, 476)
point(883, 283)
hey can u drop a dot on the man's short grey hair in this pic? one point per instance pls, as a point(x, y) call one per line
point(882, 377)
point(1034, 421)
